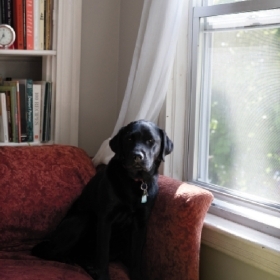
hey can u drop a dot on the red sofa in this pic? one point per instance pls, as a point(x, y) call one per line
point(37, 186)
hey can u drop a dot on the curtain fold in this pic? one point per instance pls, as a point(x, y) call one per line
point(151, 67)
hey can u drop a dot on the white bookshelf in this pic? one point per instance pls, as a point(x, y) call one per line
point(26, 53)
point(60, 65)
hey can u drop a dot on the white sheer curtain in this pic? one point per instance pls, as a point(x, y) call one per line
point(151, 67)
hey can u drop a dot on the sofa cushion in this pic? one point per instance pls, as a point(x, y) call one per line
point(37, 187)
point(32, 268)
point(40, 269)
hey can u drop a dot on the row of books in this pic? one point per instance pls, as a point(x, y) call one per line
point(25, 111)
point(32, 21)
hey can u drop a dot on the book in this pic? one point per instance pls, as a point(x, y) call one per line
point(9, 82)
point(46, 129)
point(18, 24)
point(48, 24)
point(41, 24)
point(29, 110)
point(9, 12)
point(3, 11)
point(9, 112)
point(4, 133)
point(37, 89)
point(22, 104)
point(14, 110)
point(26, 108)
point(43, 90)
point(36, 24)
point(29, 24)
point(24, 22)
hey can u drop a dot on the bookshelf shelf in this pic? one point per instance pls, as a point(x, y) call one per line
point(27, 53)
point(11, 144)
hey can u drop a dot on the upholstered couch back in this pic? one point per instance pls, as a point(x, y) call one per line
point(37, 189)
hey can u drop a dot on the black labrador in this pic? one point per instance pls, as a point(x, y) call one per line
point(108, 221)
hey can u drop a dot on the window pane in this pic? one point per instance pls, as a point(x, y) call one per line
point(241, 89)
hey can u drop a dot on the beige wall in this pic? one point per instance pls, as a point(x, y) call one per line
point(129, 23)
point(215, 265)
point(99, 72)
point(109, 31)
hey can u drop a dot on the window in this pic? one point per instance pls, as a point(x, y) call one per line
point(234, 135)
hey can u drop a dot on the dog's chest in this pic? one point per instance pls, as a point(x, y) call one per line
point(130, 206)
point(136, 195)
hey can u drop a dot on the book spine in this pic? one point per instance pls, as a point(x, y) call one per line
point(9, 12)
point(15, 84)
point(36, 112)
point(45, 23)
point(36, 23)
point(44, 123)
point(29, 109)
point(48, 24)
point(29, 25)
point(14, 115)
point(22, 94)
point(43, 93)
point(18, 112)
point(9, 112)
point(24, 22)
point(41, 24)
point(3, 11)
point(49, 105)
point(18, 24)
point(4, 135)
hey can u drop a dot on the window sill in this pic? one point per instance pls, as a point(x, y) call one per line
point(248, 245)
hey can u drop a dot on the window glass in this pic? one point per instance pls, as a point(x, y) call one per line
point(240, 104)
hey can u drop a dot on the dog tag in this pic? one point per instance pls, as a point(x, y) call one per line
point(144, 198)
point(144, 188)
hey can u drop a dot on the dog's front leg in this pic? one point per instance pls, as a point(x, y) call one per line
point(138, 237)
point(103, 248)
point(97, 267)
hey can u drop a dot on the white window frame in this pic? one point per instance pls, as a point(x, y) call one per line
point(248, 231)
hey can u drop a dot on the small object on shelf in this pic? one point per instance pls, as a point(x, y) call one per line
point(7, 36)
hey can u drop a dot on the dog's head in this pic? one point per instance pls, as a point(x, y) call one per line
point(141, 146)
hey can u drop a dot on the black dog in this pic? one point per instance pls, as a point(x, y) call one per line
point(108, 221)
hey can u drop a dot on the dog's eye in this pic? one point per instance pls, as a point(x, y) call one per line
point(151, 141)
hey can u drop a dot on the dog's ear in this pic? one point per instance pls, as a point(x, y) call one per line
point(166, 145)
point(116, 143)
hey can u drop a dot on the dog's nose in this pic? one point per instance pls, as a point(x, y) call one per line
point(138, 157)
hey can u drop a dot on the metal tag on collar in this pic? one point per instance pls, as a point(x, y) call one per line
point(144, 188)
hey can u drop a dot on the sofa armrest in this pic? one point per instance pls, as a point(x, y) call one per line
point(174, 231)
